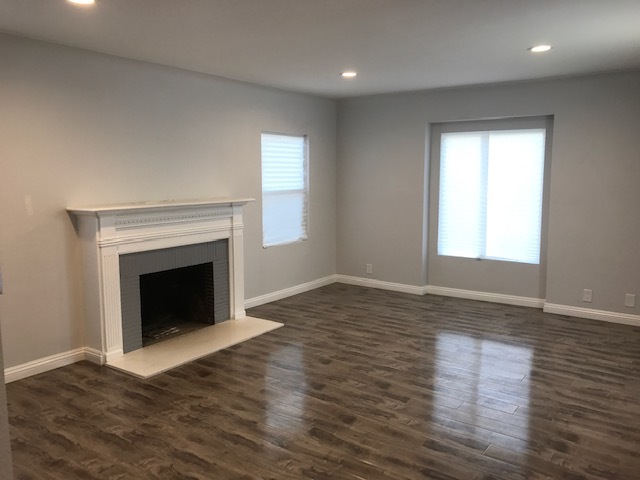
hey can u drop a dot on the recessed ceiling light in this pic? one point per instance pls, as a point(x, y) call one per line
point(83, 2)
point(349, 74)
point(539, 48)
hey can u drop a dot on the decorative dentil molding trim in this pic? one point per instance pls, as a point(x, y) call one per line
point(123, 223)
point(132, 239)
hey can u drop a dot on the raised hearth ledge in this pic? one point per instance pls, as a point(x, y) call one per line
point(108, 231)
point(171, 353)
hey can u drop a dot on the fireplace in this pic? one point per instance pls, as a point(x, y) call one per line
point(173, 291)
point(174, 302)
point(176, 265)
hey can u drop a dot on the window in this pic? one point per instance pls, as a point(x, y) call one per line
point(491, 194)
point(284, 189)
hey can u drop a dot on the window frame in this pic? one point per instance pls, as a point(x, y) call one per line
point(304, 191)
point(488, 125)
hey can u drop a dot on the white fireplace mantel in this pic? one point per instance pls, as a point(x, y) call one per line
point(108, 231)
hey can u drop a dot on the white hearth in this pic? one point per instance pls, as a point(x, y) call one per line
point(108, 231)
point(174, 352)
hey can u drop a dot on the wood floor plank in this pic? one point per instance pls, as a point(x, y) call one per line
point(359, 384)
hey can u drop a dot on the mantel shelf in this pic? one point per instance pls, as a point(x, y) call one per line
point(123, 208)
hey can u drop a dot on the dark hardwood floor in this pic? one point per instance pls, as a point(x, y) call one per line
point(359, 384)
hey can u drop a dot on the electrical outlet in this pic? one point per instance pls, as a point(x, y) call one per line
point(630, 300)
point(587, 294)
point(369, 268)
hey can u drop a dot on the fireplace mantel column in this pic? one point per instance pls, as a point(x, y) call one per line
point(236, 263)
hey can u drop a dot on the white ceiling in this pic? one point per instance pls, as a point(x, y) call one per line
point(302, 45)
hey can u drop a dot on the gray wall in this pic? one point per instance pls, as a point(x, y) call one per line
point(594, 224)
point(80, 128)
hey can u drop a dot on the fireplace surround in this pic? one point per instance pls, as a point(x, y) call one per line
point(172, 291)
point(110, 231)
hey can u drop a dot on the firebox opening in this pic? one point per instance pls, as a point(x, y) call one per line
point(176, 301)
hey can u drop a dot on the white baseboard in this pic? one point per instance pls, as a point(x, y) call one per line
point(51, 362)
point(486, 297)
point(288, 292)
point(41, 365)
point(370, 282)
point(94, 356)
point(603, 315)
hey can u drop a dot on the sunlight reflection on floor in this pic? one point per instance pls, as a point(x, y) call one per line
point(488, 379)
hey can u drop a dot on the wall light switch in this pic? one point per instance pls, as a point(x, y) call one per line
point(630, 300)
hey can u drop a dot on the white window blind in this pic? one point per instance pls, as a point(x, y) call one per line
point(491, 192)
point(284, 189)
